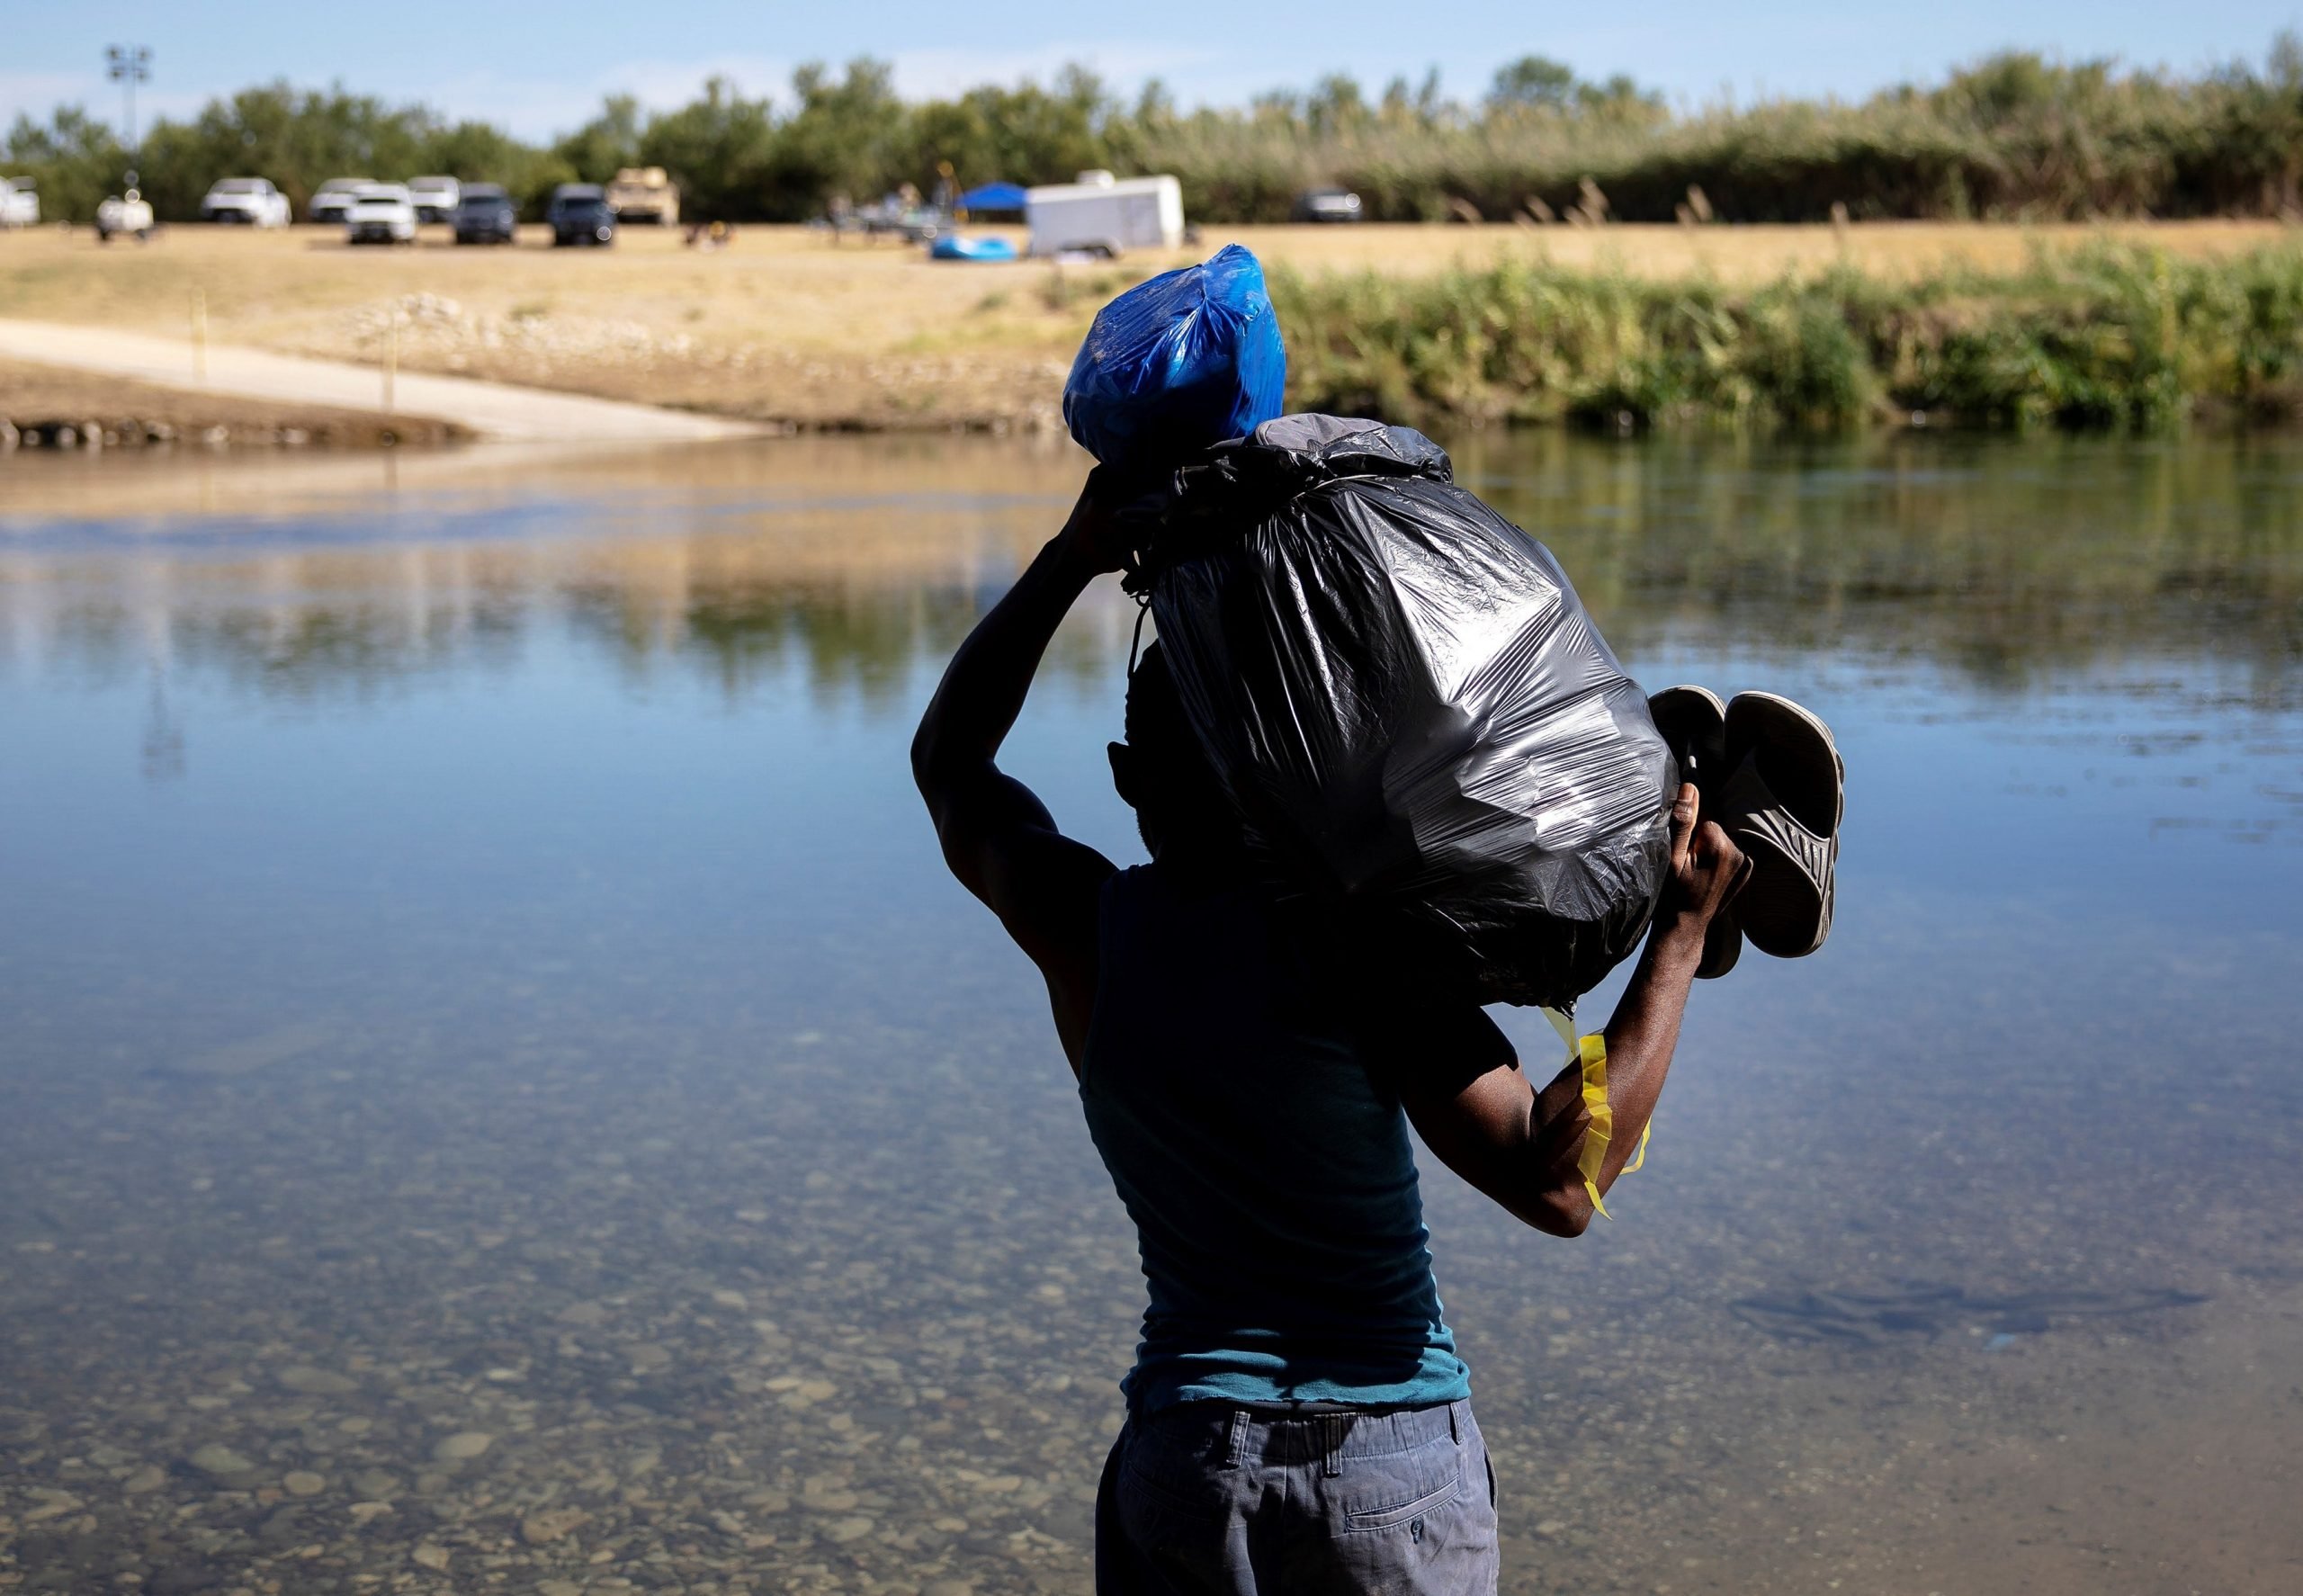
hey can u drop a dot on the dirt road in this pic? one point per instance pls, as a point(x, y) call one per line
point(492, 410)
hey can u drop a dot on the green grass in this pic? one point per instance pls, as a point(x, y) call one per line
point(2125, 337)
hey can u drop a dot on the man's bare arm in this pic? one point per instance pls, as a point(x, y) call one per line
point(997, 838)
point(1521, 1146)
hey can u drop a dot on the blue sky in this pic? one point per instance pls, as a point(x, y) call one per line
point(541, 68)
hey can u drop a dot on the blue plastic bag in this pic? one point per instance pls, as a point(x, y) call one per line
point(1190, 358)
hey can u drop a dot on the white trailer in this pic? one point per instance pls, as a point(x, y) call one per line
point(1103, 217)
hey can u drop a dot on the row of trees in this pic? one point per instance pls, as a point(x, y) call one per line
point(2013, 136)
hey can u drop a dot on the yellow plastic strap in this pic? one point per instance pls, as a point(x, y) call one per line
point(1590, 1054)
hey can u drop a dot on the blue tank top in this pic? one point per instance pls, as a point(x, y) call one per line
point(1267, 1167)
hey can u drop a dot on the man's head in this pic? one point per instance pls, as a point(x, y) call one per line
point(1163, 773)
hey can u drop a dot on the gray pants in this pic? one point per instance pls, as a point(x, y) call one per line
point(1209, 1499)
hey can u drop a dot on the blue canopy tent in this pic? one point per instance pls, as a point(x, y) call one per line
point(993, 196)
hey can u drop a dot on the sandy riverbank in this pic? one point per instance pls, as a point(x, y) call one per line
point(786, 327)
point(39, 402)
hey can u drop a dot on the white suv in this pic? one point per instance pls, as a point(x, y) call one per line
point(333, 199)
point(19, 202)
point(252, 202)
point(434, 198)
point(380, 213)
point(129, 212)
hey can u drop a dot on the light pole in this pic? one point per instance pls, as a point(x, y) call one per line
point(128, 65)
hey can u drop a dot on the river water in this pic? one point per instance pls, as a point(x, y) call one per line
point(500, 1093)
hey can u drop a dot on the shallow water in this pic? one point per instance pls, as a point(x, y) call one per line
point(473, 967)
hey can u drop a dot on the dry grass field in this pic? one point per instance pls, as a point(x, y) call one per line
point(783, 325)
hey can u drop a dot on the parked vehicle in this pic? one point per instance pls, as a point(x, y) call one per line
point(333, 198)
point(485, 214)
point(380, 213)
point(19, 202)
point(434, 198)
point(1102, 217)
point(130, 213)
point(248, 202)
point(579, 214)
point(1325, 205)
point(912, 222)
point(645, 193)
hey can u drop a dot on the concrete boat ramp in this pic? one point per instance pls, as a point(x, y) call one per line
point(493, 411)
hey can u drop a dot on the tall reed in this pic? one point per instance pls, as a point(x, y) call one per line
point(2110, 336)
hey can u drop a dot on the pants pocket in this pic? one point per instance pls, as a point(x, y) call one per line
point(1417, 1524)
point(1174, 1526)
point(1433, 1499)
point(1172, 1481)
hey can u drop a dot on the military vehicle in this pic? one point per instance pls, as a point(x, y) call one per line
point(645, 195)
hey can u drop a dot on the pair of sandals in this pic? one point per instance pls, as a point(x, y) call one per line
point(1772, 777)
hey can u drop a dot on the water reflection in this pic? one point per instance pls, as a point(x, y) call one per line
point(501, 1089)
point(2003, 560)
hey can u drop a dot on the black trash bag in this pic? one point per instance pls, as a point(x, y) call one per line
point(1430, 744)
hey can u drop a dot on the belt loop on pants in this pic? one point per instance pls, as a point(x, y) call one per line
point(1236, 1451)
point(1336, 1426)
point(1456, 1423)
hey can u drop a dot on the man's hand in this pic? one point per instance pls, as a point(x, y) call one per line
point(1708, 869)
point(1093, 536)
